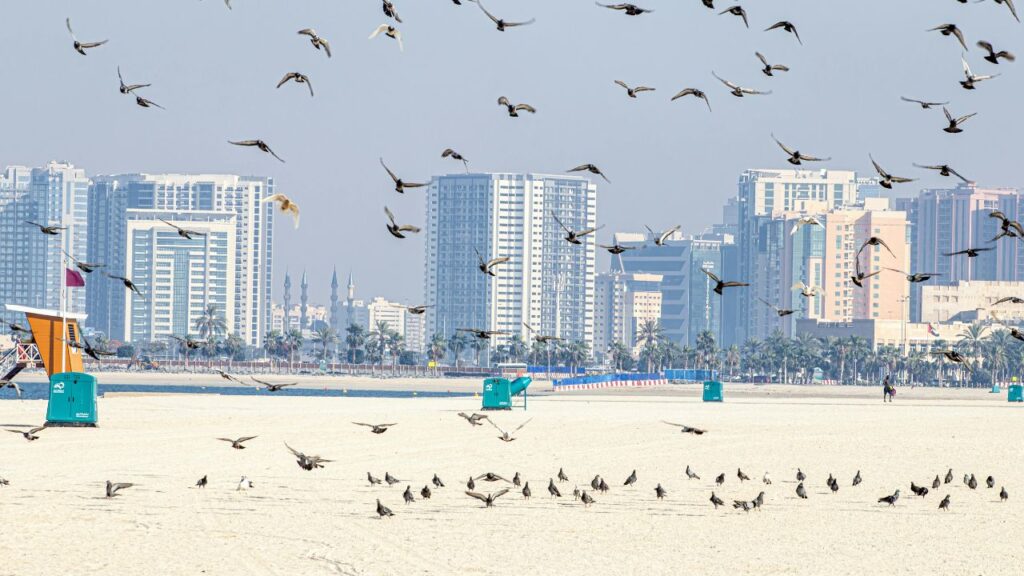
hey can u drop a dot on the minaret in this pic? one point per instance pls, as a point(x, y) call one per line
point(335, 318)
point(304, 302)
point(350, 301)
point(287, 302)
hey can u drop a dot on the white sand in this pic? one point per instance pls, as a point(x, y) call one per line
point(296, 522)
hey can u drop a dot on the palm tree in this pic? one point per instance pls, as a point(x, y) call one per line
point(621, 357)
point(648, 336)
point(456, 343)
point(576, 354)
point(706, 348)
point(211, 324)
point(272, 343)
point(396, 347)
point(971, 339)
point(516, 348)
point(326, 337)
point(355, 339)
point(380, 336)
point(293, 343)
point(234, 346)
point(732, 359)
point(479, 345)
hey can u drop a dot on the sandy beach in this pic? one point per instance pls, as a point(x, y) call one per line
point(323, 522)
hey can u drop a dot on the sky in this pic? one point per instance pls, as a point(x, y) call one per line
point(214, 70)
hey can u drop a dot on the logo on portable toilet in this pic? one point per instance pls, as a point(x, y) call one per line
point(58, 387)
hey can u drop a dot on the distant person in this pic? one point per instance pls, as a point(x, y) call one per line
point(888, 390)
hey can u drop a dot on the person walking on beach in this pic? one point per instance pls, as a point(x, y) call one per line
point(888, 390)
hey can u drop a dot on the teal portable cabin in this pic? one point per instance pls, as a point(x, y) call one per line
point(1016, 393)
point(72, 400)
point(498, 392)
point(712, 391)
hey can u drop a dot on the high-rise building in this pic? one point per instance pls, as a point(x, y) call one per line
point(761, 240)
point(31, 263)
point(623, 302)
point(228, 266)
point(547, 282)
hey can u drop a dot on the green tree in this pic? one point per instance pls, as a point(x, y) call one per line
point(326, 337)
point(648, 337)
point(355, 340)
point(456, 344)
point(292, 343)
point(211, 323)
point(621, 357)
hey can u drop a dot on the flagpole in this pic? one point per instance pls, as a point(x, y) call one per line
point(63, 311)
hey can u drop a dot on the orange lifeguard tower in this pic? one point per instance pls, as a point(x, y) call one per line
point(51, 335)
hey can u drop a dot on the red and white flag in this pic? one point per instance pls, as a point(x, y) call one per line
point(73, 279)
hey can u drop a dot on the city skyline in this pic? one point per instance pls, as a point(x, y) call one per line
point(688, 178)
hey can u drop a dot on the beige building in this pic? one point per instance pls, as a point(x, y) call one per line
point(641, 306)
point(967, 301)
point(314, 312)
point(623, 302)
point(922, 336)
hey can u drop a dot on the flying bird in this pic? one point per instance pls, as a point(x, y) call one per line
point(11, 384)
point(489, 499)
point(127, 284)
point(228, 377)
point(183, 232)
point(48, 229)
point(632, 92)
point(1009, 4)
point(970, 252)
point(87, 267)
point(237, 442)
point(628, 9)
point(188, 342)
point(780, 311)
point(128, 88)
point(796, 157)
point(482, 334)
point(298, 78)
point(916, 277)
point(271, 387)
point(970, 78)
point(81, 47)
point(805, 221)
point(487, 266)
point(874, 241)
point(943, 170)
point(30, 435)
point(888, 179)
point(542, 338)
point(683, 428)
point(1011, 299)
point(805, 290)
point(736, 11)
point(951, 30)
point(574, 236)
point(695, 93)
point(507, 436)
point(286, 205)
point(475, 419)
point(397, 230)
point(114, 487)
point(310, 463)
point(737, 90)
point(500, 23)
point(316, 40)
point(400, 185)
point(260, 144)
point(924, 104)
point(391, 32)
point(513, 109)
point(147, 103)
point(376, 428)
point(616, 249)
point(449, 153)
point(994, 56)
point(770, 69)
point(661, 237)
point(786, 26)
point(721, 285)
point(592, 169)
point(390, 12)
point(954, 123)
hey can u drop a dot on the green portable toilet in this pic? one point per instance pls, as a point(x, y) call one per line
point(712, 391)
point(1016, 393)
point(497, 394)
point(72, 400)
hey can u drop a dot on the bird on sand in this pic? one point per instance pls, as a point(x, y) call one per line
point(631, 479)
point(552, 489)
point(891, 499)
point(574, 236)
point(770, 69)
point(48, 229)
point(943, 170)
point(921, 491)
point(514, 109)
point(471, 484)
point(489, 499)
point(801, 491)
point(741, 475)
point(944, 505)
point(969, 252)
point(183, 232)
point(690, 474)
point(501, 23)
point(874, 241)
point(951, 30)
point(526, 492)
point(954, 123)
point(383, 510)
point(970, 78)
point(488, 266)
point(373, 480)
point(81, 47)
point(244, 484)
point(562, 476)
point(202, 482)
point(298, 78)
point(990, 482)
point(739, 91)
point(720, 284)
point(661, 237)
point(660, 492)
point(683, 428)
point(114, 487)
point(397, 230)
point(994, 56)
point(128, 88)
point(258, 144)
point(923, 103)
point(425, 492)
point(720, 479)
point(716, 500)
point(587, 499)
point(888, 179)
point(507, 436)
point(286, 205)
point(596, 482)
point(627, 9)
point(30, 434)
point(576, 493)
point(742, 504)
point(786, 26)
point(517, 480)
point(796, 157)
point(632, 92)
point(436, 481)
point(407, 495)
point(857, 479)
point(737, 11)
point(767, 481)
point(391, 480)
point(1003, 495)
point(316, 40)
point(308, 463)
point(270, 387)
point(127, 284)
point(936, 483)
point(949, 476)
point(389, 31)
point(695, 93)
point(592, 169)
point(401, 185)
point(491, 477)
point(800, 476)
point(474, 419)
point(237, 443)
point(449, 153)
point(972, 483)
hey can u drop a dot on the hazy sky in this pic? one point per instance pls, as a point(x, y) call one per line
point(215, 69)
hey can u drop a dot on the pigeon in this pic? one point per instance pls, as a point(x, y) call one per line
point(887, 179)
point(201, 483)
point(489, 499)
point(766, 479)
point(936, 483)
point(390, 11)
point(951, 30)
point(742, 504)
point(561, 476)
point(114, 487)
point(401, 185)
point(474, 419)
point(627, 9)
point(603, 486)
point(687, 429)
point(972, 483)
point(286, 205)
point(500, 23)
point(552, 489)
point(944, 505)
point(970, 78)
point(270, 387)
point(737, 11)
point(237, 443)
point(921, 491)
point(720, 479)
point(797, 158)
point(389, 31)
point(780, 311)
point(800, 476)
point(513, 109)
point(949, 476)
point(786, 26)
point(487, 266)
point(316, 40)
point(716, 500)
point(874, 241)
point(916, 277)
point(739, 91)
point(383, 510)
point(1013, 9)
point(834, 486)
point(11, 384)
point(954, 123)
point(376, 428)
point(801, 491)
point(592, 169)
point(507, 436)
point(258, 144)
point(990, 482)
point(596, 482)
point(183, 232)
point(30, 434)
point(407, 495)
point(574, 236)
point(391, 480)
point(770, 69)
point(425, 492)
point(943, 170)
point(449, 153)
point(631, 479)
point(632, 92)
point(128, 88)
point(244, 483)
point(720, 284)
point(48, 229)
point(923, 103)
point(471, 484)
point(516, 481)
point(994, 56)
point(576, 493)
point(891, 499)
point(587, 499)
point(695, 93)
point(436, 481)
point(298, 78)
point(759, 501)
point(662, 237)
point(373, 479)
point(147, 103)
point(660, 492)
point(1003, 496)
point(81, 47)
point(691, 474)
point(491, 477)
point(527, 493)
point(741, 475)
point(305, 462)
